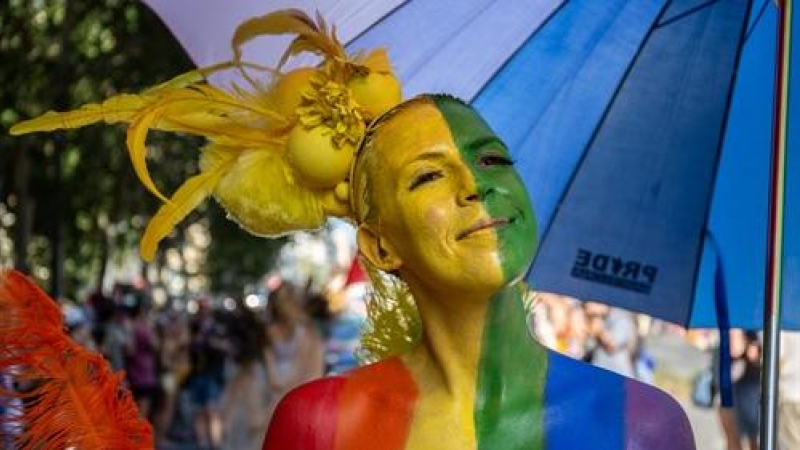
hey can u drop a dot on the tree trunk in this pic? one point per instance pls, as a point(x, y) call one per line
point(56, 232)
point(23, 209)
point(62, 74)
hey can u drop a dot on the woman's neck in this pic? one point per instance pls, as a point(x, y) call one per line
point(461, 334)
point(476, 364)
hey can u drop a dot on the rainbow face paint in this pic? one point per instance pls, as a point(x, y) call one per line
point(433, 215)
point(500, 187)
point(509, 400)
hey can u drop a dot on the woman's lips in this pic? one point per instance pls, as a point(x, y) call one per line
point(484, 224)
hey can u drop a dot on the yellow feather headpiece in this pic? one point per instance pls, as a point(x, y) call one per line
point(278, 154)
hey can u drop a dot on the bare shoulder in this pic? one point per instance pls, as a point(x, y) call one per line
point(305, 417)
point(587, 402)
point(311, 416)
point(656, 420)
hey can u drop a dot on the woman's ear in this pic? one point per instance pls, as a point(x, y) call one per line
point(378, 252)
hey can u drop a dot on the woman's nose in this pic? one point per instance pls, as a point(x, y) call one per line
point(466, 198)
point(469, 192)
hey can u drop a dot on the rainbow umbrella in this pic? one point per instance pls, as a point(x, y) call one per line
point(654, 136)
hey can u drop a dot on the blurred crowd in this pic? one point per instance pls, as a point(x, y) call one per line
point(608, 337)
point(211, 379)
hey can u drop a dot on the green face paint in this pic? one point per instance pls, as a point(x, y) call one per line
point(500, 186)
point(509, 402)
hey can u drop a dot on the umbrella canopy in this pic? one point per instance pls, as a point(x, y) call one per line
point(643, 129)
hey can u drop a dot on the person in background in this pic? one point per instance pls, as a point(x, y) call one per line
point(207, 352)
point(741, 421)
point(295, 353)
point(142, 358)
point(245, 399)
point(79, 326)
point(747, 388)
point(789, 395)
point(112, 331)
point(549, 320)
point(173, 367)
point(613, 335)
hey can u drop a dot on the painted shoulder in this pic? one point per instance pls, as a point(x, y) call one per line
point(585, 402)
point(334, 412)
point(655, 420)
point(305, 418)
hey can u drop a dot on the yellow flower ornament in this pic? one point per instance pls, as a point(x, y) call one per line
point(278, 154)
point(322, 143)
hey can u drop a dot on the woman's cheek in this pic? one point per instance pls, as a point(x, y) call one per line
point(436, 218)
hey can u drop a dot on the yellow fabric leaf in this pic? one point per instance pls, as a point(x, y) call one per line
point(188, 196)
point(378, 61)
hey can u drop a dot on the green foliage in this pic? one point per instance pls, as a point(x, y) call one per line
point(60, 54)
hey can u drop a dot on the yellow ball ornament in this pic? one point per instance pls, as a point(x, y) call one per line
point(376, 92)
point(318, 163)
point(287, 92)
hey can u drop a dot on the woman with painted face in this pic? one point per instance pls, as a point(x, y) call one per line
point(445, 226)
point(439, 204)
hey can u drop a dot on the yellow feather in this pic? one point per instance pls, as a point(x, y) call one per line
point(201, 74)
point(188, 196)
point(189, 78)
point(288, 21)
point(120, 108)
point(137, 136)
point(226, 99)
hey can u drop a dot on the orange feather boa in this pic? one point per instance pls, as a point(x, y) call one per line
point(71, 397)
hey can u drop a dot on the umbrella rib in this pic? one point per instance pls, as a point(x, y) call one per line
point(533, 125)
point(591, 140)
point(757, 20)
point(378, 22)
point(720, 145)
point(683, 15)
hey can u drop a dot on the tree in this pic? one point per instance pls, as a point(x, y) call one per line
point(60, 54)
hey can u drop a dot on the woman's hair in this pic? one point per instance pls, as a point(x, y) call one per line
point(393, 325)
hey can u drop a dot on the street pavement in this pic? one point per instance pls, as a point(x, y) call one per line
point(677, 363)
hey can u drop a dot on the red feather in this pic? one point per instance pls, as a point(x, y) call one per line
point(71, 398)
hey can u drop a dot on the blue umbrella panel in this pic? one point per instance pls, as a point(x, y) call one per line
point(639, 126)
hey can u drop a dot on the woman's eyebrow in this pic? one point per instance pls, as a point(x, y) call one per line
point(429, 155)
point(482, 141)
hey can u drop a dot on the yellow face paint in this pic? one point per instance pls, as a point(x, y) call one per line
point(429, 212)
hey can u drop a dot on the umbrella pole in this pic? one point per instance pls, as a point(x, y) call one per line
point(773, 285)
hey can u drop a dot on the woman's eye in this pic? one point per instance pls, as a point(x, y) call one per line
point(494, 160)
point(423, 178)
